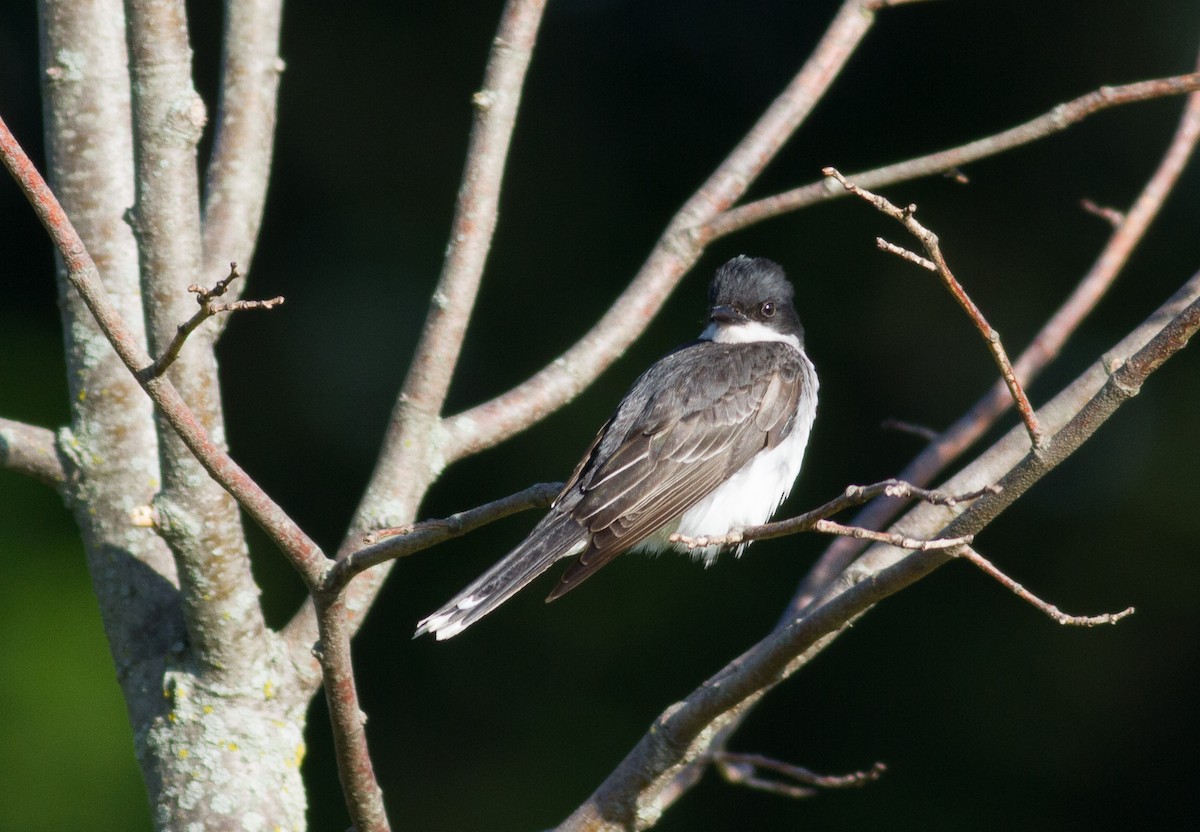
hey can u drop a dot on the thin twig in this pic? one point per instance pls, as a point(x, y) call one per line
point(389, 544)
point(900, 426)
point(1044, 347)
point(209, 307)
point(299, 548)
point(906, 254)
point(743, 770)
point(929, 241)
point(1056, 120)
point(1110, 215)
point(900, 541)
point(989, 568)
point(854, 495)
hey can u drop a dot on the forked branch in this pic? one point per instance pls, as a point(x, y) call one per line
point(990, 569)
point(789, 781)
point(1042, 349)
point(388, 544)
point(1056, 120)
point(644, 782)
point(937, 264)
point(209, 306)
point(854, 495)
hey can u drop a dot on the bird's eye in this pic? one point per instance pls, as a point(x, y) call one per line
point(767, 310)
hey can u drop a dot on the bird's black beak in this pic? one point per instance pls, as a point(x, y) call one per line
point(725, 315)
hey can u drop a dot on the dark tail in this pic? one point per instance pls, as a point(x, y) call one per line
point(554, 538)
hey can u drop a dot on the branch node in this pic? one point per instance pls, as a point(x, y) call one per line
point(208, 307)
point(743, 770)
point(143, 517)
point(905, 254)
point(483, 100)
point(930, 242)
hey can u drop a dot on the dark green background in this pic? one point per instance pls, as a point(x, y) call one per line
point(988, 715)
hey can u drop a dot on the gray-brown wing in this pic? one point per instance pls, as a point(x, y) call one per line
point(683, 443)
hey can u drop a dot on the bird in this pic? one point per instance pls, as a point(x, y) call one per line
point(707, 441)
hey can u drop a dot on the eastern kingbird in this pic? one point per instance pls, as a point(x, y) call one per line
point(707, 441)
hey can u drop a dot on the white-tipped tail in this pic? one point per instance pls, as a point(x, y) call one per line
point(554, 538)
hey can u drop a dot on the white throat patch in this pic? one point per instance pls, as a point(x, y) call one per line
point(746, 332)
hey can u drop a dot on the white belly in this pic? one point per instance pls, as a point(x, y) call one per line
point(750, 496)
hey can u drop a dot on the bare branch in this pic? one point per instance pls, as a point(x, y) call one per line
point(32, 451)
point(929, 240)
point(906, 254)
point(390, 544)
point(891, 538)
point(989, 568)
point(681, 735)
point(1044, 347)
point(410, 457)
point(111, 446)
point(743, 770)
point(900, 426)
point(209, 306)
point(673, 255)
point(364, 798)
point(1056, 120)
point(300, 550)
point(854, 495)
point(474, 224)
point(1110, 215)
point(240, 165)
point(201, 522)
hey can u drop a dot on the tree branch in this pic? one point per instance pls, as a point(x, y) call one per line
point(410, 458)
point(937, 264)
point(742, 770)
point(240, 165)
point(111, 438)
point(634, 795)
point(676, 251)
point(364, 799)
point(418, 409)
point(854, 495)
point(1043, 349)
point(300, 550)
point(201, 522)
point(209, 307)
point(990, 569)
point(32, 451)
point(1056, 120)
point(390, 544)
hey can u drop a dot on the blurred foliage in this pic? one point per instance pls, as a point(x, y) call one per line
point(989, 716)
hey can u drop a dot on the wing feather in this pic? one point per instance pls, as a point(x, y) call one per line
point(685, 440)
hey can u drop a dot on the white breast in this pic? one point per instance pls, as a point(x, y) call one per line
point(750, 496)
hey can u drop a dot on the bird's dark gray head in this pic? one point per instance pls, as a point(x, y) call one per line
point(750, 299)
